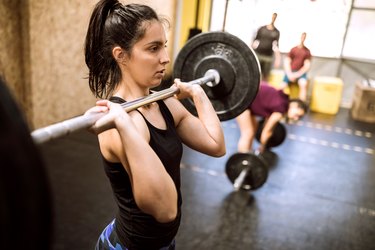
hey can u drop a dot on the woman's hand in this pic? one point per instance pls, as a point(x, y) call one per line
point(209, 136)
point(187, 89)
point(110, 115)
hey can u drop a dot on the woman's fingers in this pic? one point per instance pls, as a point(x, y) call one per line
point(107, 121)
point(186, 89)
point(101, 107)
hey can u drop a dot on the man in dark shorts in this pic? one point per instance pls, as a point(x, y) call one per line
point(272, 105)
point(265, 46)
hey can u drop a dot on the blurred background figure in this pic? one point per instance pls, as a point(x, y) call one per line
point(266, 46)
point(296, 65)
point(273, 105)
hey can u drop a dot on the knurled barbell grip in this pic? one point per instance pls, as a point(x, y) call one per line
point(85, 121)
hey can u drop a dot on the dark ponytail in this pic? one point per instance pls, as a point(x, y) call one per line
point(112, 24)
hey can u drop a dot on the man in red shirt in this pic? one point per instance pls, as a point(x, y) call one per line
point(272, 105)
point(296, 65)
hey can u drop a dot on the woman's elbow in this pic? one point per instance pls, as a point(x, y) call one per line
point(163, 212)
point(166, 215)
point(219, 151)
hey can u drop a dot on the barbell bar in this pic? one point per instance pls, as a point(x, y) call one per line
point(54, 131)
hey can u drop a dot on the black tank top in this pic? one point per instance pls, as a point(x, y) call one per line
point(135, 229)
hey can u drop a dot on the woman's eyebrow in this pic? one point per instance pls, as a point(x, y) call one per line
point(156, 42)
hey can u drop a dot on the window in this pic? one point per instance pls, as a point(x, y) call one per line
point(333, 30)
point(360, 39)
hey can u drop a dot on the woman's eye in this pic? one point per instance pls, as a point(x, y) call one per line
point(155, 48)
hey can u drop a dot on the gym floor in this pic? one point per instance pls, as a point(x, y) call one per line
point(319, 193)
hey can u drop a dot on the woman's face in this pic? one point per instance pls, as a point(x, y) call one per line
point(146, 65)
point(295, 112)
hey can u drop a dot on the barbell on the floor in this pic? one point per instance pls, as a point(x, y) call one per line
point(225, 66)
point(247, 171)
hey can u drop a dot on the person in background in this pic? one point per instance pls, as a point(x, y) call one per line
point(296, 66)
point(266, 47)
point(125, 51)
point(273, 105)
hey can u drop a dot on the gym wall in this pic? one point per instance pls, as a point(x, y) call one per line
point(42, 55)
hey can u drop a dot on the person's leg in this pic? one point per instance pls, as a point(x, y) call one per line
point(284, 84)
point(265, 63)
point(268, 129)
point(302, 84)
point(267, 66)
point(261, 65)
point(248, 126)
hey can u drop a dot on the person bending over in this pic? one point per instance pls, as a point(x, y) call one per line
point(125, 51)
point(272, 105)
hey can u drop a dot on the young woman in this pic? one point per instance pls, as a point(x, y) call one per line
point(126, 54)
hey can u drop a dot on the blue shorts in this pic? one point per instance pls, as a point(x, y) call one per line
point(108, 240)
point(286, 79)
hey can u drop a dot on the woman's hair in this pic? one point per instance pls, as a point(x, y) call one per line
point(112, 24)
point(301, 104)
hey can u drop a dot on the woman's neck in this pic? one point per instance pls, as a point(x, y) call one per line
point(132, 92)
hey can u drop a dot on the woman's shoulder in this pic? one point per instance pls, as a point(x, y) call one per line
point(176, 108)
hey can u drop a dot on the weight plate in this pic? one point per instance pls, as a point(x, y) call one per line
point(278, 135)
point(236, 63)
point(26, 206)
point(256, 175)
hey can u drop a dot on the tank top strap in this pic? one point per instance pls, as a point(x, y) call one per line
point(116, 99)
point(166, 113)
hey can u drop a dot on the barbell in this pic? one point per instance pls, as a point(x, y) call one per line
point(225, 66)
point(246, 171)
point(249, 171)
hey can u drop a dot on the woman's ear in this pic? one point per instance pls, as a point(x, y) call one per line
point(119, 54)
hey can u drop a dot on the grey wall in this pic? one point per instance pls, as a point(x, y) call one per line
point(349, 70)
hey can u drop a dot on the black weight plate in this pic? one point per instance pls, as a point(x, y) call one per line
point(26, 209)
point(236, 63)
point(258, 171)
point(278, 135)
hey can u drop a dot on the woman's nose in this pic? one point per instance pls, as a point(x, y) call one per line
point(164, 59)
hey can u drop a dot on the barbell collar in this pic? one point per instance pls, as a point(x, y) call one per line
point(215, 74)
